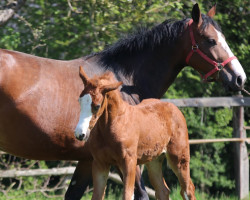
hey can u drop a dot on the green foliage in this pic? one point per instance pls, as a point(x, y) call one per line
point(11, 39)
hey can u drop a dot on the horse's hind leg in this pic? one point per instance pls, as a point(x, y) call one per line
point(156, 178)
point(178, 157)
point(81, 179)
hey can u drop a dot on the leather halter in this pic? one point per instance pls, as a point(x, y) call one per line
point(195, 48)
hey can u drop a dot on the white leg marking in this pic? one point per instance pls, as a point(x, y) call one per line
point(237, 68)
point(85, 116)
point(186, 196)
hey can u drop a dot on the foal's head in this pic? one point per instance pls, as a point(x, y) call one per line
point(91, 100)
point(209, 53)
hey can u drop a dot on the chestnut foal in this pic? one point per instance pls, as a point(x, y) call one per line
point(125, 135)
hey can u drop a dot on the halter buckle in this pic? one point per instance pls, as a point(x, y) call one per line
point(220, 66)
point(195, 47)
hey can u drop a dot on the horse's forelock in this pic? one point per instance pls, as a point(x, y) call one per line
point(208, 20)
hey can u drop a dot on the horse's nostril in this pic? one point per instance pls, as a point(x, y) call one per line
point(80, 137)
point(239, 81)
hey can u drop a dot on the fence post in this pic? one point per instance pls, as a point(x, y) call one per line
point(241, 161)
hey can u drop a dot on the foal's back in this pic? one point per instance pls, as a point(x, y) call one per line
point(157, 124)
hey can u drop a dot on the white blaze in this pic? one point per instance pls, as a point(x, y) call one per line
point(236, 66)
point(85, 116)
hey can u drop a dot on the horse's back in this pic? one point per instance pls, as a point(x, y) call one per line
point(159, 122)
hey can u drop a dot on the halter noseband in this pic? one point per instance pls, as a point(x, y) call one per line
point(195, 48)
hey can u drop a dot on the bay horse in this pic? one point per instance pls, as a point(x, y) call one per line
point(126, 135)
point(39, 106)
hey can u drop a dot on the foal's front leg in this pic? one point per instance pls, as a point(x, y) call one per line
point(128, 169)
point(100, 175)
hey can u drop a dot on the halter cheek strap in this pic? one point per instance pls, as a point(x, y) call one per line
point(195, 48)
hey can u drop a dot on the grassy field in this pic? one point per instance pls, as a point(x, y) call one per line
point(112, 195)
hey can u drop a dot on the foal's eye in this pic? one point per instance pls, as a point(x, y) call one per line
point(96, 107)
point(211, 41)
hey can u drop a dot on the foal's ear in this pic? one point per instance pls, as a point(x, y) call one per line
point(196, 15)
point(83, 75)
point(111, 87)
point(212, 11)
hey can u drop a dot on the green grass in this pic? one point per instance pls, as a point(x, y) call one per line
point(112, 194)
point(175, 195)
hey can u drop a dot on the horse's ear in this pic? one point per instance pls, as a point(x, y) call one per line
point(83, 75)
point(196, 15)
point(212, 11)
point(111, 87)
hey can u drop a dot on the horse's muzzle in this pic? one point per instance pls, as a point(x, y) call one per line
point(82, 136)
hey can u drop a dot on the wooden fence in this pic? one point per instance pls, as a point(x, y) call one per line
point(241, 160)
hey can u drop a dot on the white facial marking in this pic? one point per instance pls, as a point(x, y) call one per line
point(236, 66)
point(186, 196)
point(85, 116)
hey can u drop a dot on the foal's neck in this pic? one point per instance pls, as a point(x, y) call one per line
point(115, 104)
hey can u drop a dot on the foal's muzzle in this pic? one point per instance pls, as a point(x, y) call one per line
point(82, 136)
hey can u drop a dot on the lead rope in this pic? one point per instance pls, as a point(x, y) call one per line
point(244, 90)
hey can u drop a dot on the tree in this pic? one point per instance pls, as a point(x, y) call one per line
point(8, 11)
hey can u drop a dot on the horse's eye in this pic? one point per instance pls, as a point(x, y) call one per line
point(95, 108)
point(211, 41)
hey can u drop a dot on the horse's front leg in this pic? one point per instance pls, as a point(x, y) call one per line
point(100, 172)
point(81, 179)
point(140, 191)
point(128, 169)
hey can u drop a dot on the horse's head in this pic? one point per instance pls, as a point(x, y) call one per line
point(92, 101)
point(209, 53)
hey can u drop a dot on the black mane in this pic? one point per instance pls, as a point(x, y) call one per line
point(123, 56)
point(139, 44)
point(208, 20)
point(167, 31)
point(145, 41)
point(145, 61)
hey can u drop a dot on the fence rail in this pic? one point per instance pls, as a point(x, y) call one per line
point(211, 102)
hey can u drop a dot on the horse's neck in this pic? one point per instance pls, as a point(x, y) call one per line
point(112, 106)
point(115, 104)
point(152, 77)
point(147, 69)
